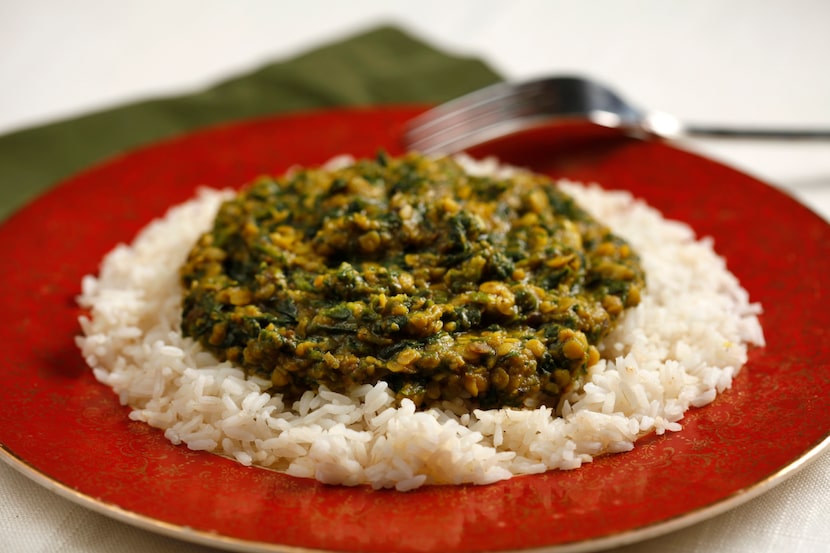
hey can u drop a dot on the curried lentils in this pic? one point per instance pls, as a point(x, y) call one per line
point(489, 289)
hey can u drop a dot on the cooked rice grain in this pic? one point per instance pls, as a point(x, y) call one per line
point(678, 349)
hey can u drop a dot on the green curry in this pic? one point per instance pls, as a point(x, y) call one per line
point(494, 290)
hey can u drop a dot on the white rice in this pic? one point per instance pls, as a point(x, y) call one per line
point(678, 349)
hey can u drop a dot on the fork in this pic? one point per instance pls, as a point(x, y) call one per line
point(506, 108)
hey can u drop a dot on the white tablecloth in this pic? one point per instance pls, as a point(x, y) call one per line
point(743, 61)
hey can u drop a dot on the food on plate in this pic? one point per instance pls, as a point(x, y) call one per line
point(490, 289)
point(653, 322)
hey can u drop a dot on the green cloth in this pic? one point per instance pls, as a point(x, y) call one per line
point(381, 66)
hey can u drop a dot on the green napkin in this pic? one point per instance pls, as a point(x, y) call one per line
point(381, 66)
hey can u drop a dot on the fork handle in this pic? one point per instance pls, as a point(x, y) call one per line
point(757, 133)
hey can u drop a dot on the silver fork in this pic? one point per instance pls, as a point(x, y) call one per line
point(506, 108)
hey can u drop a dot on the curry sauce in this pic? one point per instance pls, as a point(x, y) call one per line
point(493, 290)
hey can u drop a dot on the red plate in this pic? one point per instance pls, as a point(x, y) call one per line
point(66, 431)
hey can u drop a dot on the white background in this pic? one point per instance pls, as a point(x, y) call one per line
point(739, 61)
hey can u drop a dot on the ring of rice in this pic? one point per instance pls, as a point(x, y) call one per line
point(678, 349)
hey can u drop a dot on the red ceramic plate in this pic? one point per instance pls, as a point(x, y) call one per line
point(66, 431)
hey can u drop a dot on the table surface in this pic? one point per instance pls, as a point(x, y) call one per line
point(752, 62)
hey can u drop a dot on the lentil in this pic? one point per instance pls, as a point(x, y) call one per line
point(494, 290)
